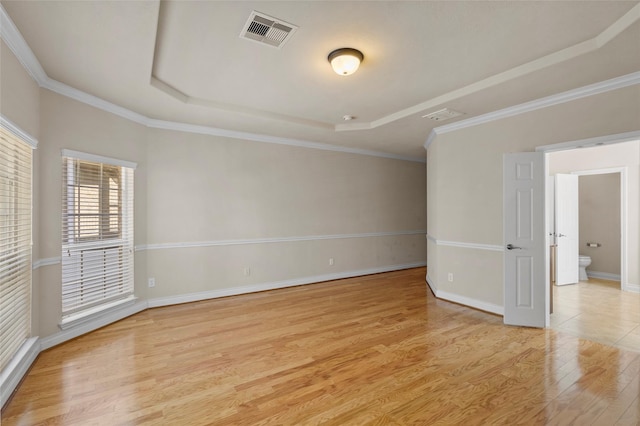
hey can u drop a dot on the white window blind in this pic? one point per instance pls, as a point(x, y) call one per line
point(15, 244)
point(97, 232)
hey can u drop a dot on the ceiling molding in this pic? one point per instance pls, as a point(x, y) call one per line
point(255, 137)
point(571, 52)
point(17, 131)
point(10, 34)
point(559, 98)
point(430, 138)
point(597, 141)
point(94, 101)
point(14, 40)
point(185, 98)
point(254, 112)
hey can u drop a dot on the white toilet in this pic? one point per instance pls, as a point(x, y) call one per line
point(583, 262)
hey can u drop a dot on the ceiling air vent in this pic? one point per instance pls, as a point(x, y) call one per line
point(443, 114)
point(267, 30)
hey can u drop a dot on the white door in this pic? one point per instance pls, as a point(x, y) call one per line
point(566, 229)
point(524, 239)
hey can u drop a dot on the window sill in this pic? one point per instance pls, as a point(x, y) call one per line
point(96, 312)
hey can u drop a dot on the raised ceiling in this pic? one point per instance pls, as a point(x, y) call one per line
point(186, 62)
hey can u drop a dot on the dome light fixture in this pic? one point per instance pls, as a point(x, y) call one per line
point(345, 61)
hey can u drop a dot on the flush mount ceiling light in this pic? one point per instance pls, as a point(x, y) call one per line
point(345, 61)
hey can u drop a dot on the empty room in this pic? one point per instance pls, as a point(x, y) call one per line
point(318, 212)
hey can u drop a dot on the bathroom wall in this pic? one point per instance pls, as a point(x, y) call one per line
point(599, 206)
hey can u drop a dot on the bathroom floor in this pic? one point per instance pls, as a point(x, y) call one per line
point(598, 310)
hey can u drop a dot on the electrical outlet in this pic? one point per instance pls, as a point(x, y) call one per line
point(331, 261)
point(450, 277)
point(152, 282)
point(247, 272)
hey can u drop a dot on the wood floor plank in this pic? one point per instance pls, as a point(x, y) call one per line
point(372, 350)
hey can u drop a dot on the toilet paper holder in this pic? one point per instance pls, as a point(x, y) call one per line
point(594, 245)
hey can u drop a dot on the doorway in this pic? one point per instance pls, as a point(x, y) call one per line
point(629, 144)
point(601, 203)
point(597, 309)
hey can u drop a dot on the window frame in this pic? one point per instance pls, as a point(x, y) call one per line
point(97, 270)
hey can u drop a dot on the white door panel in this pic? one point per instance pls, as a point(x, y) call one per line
point(566, 196)
point(524, 239)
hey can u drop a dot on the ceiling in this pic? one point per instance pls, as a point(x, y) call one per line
point(185, 62)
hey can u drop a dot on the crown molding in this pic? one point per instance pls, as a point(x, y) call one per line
point(16, 130)
point(192, 100)
point(14, 40)
point(597, 141)
point(16, 43)
point(432, 137)
point(548, 101)
point(582, 48)
point(256, 137)
point(94, 101)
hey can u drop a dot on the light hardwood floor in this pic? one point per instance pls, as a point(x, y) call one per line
point(370, 350)
point(598, 310)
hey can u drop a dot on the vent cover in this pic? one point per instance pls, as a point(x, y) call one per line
point(267, 30)
point(443, 114)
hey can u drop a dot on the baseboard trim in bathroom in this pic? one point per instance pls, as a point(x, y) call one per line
point(603, 275)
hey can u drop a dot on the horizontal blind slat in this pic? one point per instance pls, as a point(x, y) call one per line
point(15, 244)
point(97, 234)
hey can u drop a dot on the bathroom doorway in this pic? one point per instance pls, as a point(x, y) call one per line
point(597, 309)
point(596, 206)
point(605, 197)
point(602, 222)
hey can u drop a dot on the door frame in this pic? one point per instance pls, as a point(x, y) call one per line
point(623, 216)
point(563, 146)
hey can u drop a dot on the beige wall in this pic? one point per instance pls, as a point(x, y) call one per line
point(467, 206)
point(68, 124)
point(20, 103)
point(209, 190)
point(625, 155)
point(19, 94)
point(599, 207)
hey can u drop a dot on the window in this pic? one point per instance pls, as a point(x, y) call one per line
point(97, 233)
point(15, 244)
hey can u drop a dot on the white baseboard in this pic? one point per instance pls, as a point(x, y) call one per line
point(634, 288)
point(603, 275)
point(463, 300)
point(93, 324)
point(473, 303)
point(234, 291)
point(432, 287)
point(12, 374)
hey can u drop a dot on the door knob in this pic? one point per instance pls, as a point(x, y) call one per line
point(512, 247)
point(561, 235)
